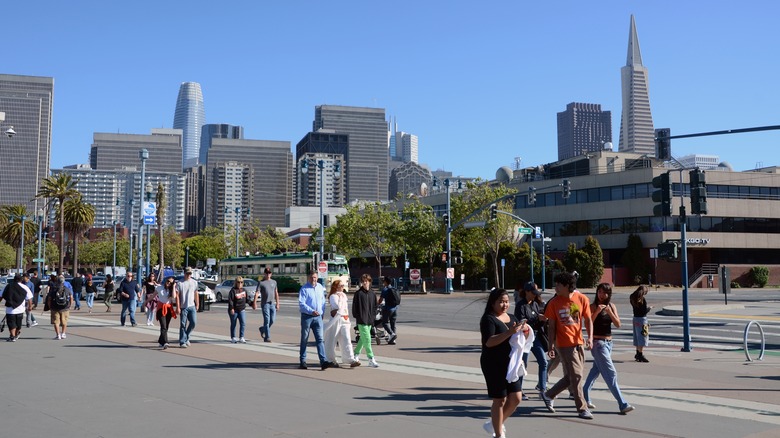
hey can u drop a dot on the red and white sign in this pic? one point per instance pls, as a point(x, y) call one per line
point(414, 276)
point(450, 272)
point(322, 268)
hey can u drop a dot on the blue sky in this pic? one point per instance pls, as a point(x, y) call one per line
point(479, 82)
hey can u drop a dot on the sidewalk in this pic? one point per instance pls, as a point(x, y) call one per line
point(103, 375)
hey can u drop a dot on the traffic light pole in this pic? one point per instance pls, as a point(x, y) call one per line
point(684, 259)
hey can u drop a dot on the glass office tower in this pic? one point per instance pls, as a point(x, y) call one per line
point(190, 116)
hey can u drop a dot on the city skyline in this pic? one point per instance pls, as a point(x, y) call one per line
point(465, 88)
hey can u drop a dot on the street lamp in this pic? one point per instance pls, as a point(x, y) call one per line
point(144, 155)
point(113, 222)
point(45, 233)
point(336, 174)
point(238, 213)
point(186, 257)
point(130, 237)
point(448, 283)
point(149, 231)
point(40, 230)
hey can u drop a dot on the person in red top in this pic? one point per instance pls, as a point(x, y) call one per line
point(566, 312)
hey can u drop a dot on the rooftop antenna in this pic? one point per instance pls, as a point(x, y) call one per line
point(517, 163)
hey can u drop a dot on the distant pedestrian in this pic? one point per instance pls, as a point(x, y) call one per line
point(77, 283)
point(237, 300)
point(166, 298)
point(604, 315)
point(311, 303)
point(108, 289)
point(641, 326)
point(531, 308)
point(91, 292)
point(268, 292)
point(338, 327)
point(187, 303)
point(364, 310)
point(129, 295)
point(390, 300)
point(28, 281)
point(18, 298)
point(58, 301)
point(566, 312)
point(150, 298)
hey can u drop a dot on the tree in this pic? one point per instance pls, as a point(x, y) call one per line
point(634, 260)
point(11, 227)
point(210, 243)
point(258, 240)
point(7, 255)
point(79, 217)
point(60, 187)
point(421, 233)
point(588, 262)
point(98, 252)
point(160, 200)
point(371, 227)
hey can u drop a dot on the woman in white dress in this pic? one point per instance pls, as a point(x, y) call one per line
point(338, 327)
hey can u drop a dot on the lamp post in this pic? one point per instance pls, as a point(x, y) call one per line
point(40, 231)
point(448, 282)
point(336, 174)
point(130, 237)
point(113, 222)
point(186, 257)
point(149, 231)
point(238, 213)
point(144, 155)
point(45, 233)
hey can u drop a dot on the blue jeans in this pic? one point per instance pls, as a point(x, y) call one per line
point(90, 300)
point(602, 364)
point(269, 316)
point(241, 317)
point(187, 322)
point(308, 323)
point(77, 300)
point(127, 305)
point(388, 319)
point(541, 359)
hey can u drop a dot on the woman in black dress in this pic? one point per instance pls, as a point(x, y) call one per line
point(497, 326)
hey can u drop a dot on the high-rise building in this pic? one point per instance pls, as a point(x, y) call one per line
point(406, 145)
point(195, 196)
point(410, 179)
point(190, 116)
point(233, 192)
point(27, 104)
point(702, 161)
point(367, 156)
point(271, 166)
point(115, 151)
point(636, 122)
point(332, 149)
point(582, 128)
point(216, 130)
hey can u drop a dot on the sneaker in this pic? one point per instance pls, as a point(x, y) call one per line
point(28, 325)
point(355, 363)
point(188, 343)
point(524, 398)
point(233, 340)
point(134, 324)
point(373, 363)
point(267, 340)
point(242, 340)
point(392, 339)
point(488, 426)
point(303, 366)
point(11, 339)
point(585, 414)
point(539, 388)
point(64, 336)
point(548, 402)
point(58, 337)
point(182, 345)
point(591, 405)
point(34, 323)
point(165, 346)
point(626, 409)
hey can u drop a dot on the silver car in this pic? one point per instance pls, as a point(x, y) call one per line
point(223, 289)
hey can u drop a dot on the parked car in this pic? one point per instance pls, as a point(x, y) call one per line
point(223, 289)
point(202, 289)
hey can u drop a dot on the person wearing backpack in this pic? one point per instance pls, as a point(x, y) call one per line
point(17, 298)
point(390, 299)
point(58, 300)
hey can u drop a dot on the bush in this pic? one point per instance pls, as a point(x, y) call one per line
point(759, 275)
point(735, 285)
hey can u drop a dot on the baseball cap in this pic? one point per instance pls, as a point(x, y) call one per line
point(531, 287)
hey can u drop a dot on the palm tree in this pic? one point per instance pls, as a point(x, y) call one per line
point(160, 199)
point(60, 187)
point(79, 217)
point(11, 228)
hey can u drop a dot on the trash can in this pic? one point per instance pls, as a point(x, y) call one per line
point(483, 283)
point(201, 302)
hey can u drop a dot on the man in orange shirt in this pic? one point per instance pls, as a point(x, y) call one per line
point(565, 313)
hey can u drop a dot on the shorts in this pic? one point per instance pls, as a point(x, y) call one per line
point(14, 321)
point(60, 317)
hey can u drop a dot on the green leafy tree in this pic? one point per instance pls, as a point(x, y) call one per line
point(634, 259)
point(259, 240)
point(588, 262)
point(519, 258)
point(79, 217)
point(11, 227)
point(7, 256)
point(210, 243)
point(421, 233)
point(371, 227)
point(60, 187)
point(99, 251)
point(759, 275)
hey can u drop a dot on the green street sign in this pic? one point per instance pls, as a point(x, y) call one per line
point(39, 260)
point(522, 230)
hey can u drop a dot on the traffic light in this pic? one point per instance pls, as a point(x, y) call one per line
point(444, 256)
point(663, 145)
point(663, 196)
point(493, 212)
point(698, 192)
point(531, 195)
point(446, 218)
point(457, 257)
point(566, 189)
point(668, 251)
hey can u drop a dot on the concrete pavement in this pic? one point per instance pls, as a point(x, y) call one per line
point(111, 381)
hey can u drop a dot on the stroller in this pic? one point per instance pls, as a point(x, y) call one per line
point(377, 331)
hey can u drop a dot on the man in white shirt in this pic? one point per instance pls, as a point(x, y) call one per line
point(18, 299)
point(187, 303)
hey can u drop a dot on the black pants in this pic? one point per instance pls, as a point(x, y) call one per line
point(165, 321)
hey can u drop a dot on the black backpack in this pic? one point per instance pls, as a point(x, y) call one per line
point(394, 298)
point(61, 297)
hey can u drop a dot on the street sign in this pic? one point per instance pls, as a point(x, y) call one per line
point(450, 273)
point(39, 260)
point(150, 213)
point(322, 267)
point(538, 232)
point(150, 220)
point(523, 230)
point(414, 274)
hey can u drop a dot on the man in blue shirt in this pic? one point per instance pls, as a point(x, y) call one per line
point(128, 294)
point(311, 302)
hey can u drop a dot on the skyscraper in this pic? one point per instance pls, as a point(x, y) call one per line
point(330, 148)
point(583, 127)
point(190, 116)
point(27, 104)
point(216, 130)
point(636, 121)
point(367, 156)
point(116, 151)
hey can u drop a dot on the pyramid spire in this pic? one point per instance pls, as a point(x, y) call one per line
point(634, 55)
